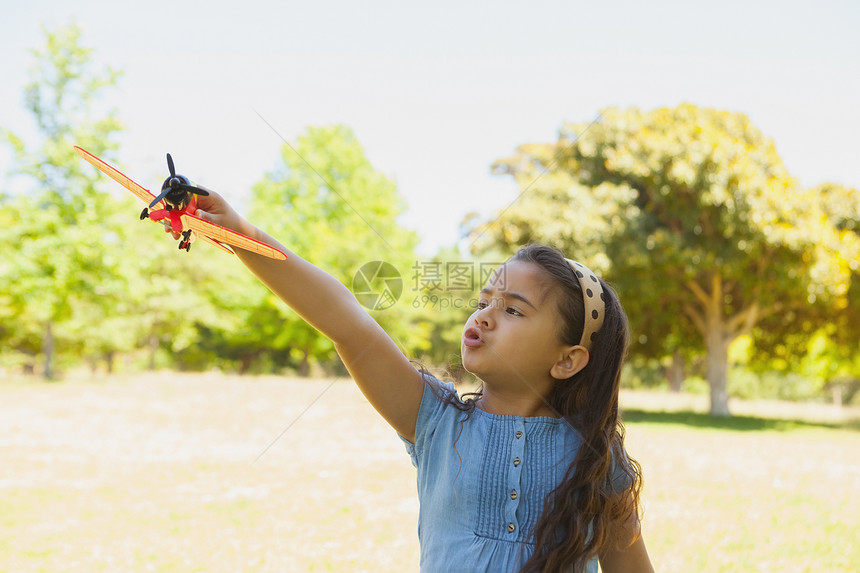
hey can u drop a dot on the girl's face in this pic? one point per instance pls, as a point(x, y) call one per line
point(512, 338)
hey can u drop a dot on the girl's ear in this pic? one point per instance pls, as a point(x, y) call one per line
point(572, 361)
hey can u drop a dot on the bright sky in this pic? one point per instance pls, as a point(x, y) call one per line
point(437, 91)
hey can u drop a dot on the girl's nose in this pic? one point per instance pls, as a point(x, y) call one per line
point(484, 317)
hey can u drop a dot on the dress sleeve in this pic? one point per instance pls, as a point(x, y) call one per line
point(430, 412)
point(618, 480)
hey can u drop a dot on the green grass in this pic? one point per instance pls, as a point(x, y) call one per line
point(748, 493)
point(157, 473)
point(737, 423)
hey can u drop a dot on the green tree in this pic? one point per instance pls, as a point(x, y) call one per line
point(177, 298)
point(53, 263)
point(823, 346)
point(690, 212)
point(329, 204)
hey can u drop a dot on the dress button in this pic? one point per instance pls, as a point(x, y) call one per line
point(511, 528)
point(514, 494)
point(519, 435)
point(516, 462)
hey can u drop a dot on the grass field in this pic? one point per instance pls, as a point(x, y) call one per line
point(158, 473)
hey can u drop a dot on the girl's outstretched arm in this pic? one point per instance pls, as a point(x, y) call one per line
point(385, 376)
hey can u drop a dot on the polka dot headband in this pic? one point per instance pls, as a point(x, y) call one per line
point(592, 297)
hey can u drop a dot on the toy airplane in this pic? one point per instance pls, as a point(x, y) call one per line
point(178, 206)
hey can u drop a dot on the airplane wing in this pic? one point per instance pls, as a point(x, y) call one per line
point(144, 194)
point(217, 244)
point(219, 234)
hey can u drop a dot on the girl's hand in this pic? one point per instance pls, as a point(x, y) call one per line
point(215, 209)
point(169, 230)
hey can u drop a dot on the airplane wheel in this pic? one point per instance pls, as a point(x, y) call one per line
point(144, 214)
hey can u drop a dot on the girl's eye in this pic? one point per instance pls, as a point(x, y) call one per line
point(482, 304)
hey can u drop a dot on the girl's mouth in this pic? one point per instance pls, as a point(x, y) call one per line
point(472, 337)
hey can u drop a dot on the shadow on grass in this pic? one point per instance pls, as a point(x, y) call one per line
point(733, 423)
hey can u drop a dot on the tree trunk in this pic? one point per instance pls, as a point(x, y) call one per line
point(836, 393)
point(718, 331)
point(676, 372)
point(245, 362)
point(718, 371)
point(304, 365)
point(48, 351)
point(153, 347)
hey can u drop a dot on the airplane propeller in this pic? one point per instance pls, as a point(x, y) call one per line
point(176, 183)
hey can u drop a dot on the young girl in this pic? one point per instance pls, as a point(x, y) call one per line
point(530, 473)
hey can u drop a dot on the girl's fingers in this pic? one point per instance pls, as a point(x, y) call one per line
point(169, 229)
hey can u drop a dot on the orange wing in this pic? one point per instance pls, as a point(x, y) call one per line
point(217, 244)
point(144, 194)
point(219, 234)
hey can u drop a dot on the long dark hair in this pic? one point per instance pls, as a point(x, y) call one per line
point(579, 515)
point(601, 486)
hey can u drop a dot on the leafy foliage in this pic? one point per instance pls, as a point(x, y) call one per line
point(688, 211)
point(693, 216)
point(330, 205)
point(81, 275)
point(54, 269)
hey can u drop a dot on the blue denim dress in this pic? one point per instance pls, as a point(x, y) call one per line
point(482, 483)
